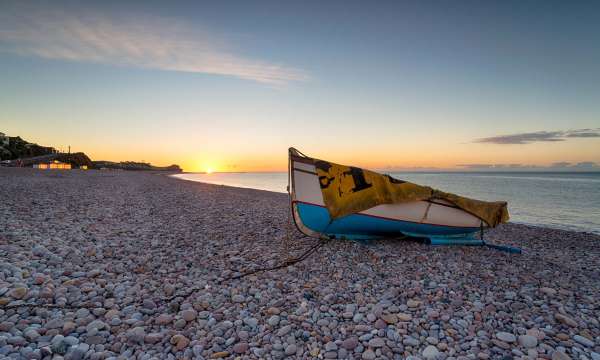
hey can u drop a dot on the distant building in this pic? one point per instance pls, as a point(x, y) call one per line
point(52, 165)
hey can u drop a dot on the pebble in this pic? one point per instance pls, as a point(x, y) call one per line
point(390, 318)
point(330, 346)
point(197, 350)
point(548, 291)
point(31, 335)
point(380, 324)
point(350, 343)
point(284, 330)
point(583, 341)
point(432, 340)
point(96, 325)
point(71, 340)
point(368, 355)
point(77, 352)
point(18, 292)
point(376, 342)
point(240, 348)
point(506, 337)
point(180, 341)
point(163, 319)
point(567, 320)
point(413, 303)
point(219, 355)
point(250, 321)
point(410, 341)
point(431, 352)
point(291, 349)
point(528, 341)
point(153, 338)
point(559, 355)
point(136, 335)
point(189, 315)
point(404, 317)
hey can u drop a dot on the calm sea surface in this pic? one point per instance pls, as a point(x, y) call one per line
point(568, 201)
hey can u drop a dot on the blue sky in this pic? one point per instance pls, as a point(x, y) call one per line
point(231, 85)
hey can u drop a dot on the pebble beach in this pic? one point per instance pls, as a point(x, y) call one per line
point(120, 265)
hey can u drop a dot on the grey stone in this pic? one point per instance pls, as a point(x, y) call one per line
point(368, 355)
point(583, 341)
point(250, 321)
point(376, 342)
point(506, 337)
point(431, 352)
point(528, 341)
point(284, 330)
point(291, 349)
point(350, 343)
point(331, 346)
point(240, 347)
point(411, 341)
point(96, 325)
point(136, 335)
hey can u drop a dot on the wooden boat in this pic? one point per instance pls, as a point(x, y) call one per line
point(438, 221)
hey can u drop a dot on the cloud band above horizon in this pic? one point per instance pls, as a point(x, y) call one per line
point(146, 42)
point(540, 136)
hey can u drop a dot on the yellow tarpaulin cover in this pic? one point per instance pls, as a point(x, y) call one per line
point(348, 190)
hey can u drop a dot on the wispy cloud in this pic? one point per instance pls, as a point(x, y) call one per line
point(563, 165)
point(146, 42)
point(540, 136)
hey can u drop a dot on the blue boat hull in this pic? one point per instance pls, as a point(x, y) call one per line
point(362, 226)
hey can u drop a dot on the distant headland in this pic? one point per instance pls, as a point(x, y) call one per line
point(14, 151)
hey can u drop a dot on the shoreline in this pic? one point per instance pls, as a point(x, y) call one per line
point(113, 250)
point(174, 176)
point(541, 226)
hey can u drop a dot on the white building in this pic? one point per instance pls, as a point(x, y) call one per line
point(3, 139)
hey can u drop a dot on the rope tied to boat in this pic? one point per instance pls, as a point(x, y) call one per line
point(426, 212)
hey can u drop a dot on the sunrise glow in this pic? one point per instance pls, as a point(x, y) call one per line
point(426, 94)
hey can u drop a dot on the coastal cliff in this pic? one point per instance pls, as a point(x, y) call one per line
point(13, 147)
point(14, 151)
point(131, 165)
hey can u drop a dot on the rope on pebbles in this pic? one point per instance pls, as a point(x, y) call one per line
point(288, 262)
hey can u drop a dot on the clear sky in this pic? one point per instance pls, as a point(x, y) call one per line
point(231, 85)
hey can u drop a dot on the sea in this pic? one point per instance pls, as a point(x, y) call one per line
point(568, 201)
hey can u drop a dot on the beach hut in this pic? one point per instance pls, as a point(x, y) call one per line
point(52, 165)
